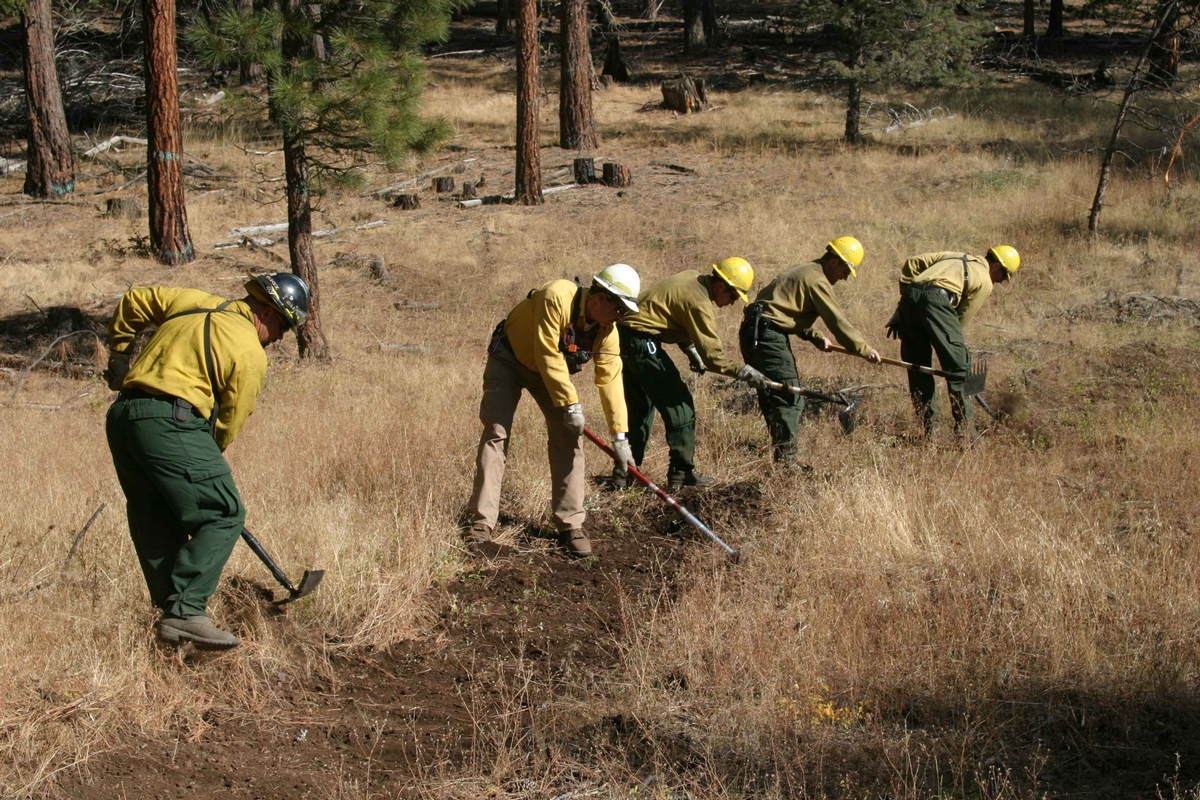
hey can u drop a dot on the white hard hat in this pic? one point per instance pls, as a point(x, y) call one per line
point(622, 282)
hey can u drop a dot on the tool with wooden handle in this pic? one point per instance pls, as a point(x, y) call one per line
point(974, 380)
point(848, 416)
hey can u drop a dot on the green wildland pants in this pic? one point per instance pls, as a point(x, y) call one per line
point(769, 351)
point(185, 514)
point(928, 324)
point(651, 383)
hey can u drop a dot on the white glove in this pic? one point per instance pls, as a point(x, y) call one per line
point(572, 418)
point(118, 368)
point(624, 454)
point(753, 377)
point(694, 359)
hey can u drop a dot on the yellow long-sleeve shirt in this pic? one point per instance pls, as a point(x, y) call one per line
point(680, 310)
point(797, 297)
point(534, 329)
point(945, 270)
point(173, 363)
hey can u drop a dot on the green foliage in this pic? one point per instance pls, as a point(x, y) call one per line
point(914, 42)
point(361, 94)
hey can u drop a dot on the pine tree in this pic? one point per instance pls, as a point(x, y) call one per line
point(50, 159)
point(914, 42)
point(576, 123)
point(344, 77)
point(529, 165)
point(169, 236)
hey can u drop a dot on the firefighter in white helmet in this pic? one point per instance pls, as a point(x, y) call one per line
point(549, 336)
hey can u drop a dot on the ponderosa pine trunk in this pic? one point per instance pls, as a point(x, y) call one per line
point(50, 159)
point(310, 337)
point(1164, 55)
point(169, 236)
point(1055, 29)
point(529, 168)
point(576, 126)
point(503, 17)
point(249, 73)
point(694, 40)
point(1029, 29)
point(854, 98)
point(650, 9)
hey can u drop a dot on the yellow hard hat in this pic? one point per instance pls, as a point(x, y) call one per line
point(849, 250)
point(736, 272)
point(1008, 257)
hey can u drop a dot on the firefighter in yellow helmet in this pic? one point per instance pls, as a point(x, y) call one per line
point(791, 305)
point(680, 310)
point(939, 294)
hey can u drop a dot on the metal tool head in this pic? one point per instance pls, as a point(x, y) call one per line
point(976, 378)
point(848, 416)
point(308, 585)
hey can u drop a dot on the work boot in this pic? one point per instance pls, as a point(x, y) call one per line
point(197, 629)
point(620, 480)
point(688, 477)
point(478, 533)
point(575, 543)
point(793, 465)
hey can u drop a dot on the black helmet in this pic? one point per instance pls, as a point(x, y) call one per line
point(287, 292)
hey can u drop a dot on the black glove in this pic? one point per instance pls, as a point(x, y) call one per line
point(893, 325)
point(118, 368)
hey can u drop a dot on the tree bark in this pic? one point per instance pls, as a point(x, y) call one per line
point(1164, 55)
point(854, 99)
point(1055, 29)
point(1030, 29)
point(1131, 88)
point(529, 169)
point(50, 159)
point(694, 39)
point(310, 337)
point(650, 9)
point(248, 72)
point(576, 125)
point(169, 236)
point(503, 17)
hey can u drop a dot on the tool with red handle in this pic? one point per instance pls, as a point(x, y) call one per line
point(671, 501)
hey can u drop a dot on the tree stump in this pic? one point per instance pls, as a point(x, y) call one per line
point(616, 175)
point(614, 65)
point(684, 95)
point(379, 270)
point(406, 202)
point(585, 170)
point(443, 185)
point(602, 82)
point(122, 207)
point(468, 190)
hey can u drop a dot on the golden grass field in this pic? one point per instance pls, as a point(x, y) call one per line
point(911, 621)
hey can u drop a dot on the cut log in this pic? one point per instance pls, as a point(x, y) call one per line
point(406, 202)
point(614, 65)
point(379, 270)
point(585, 171)
point(616, 175)
point(122, 207)
point(468, 190)
point(443, 185)
point(684, 95)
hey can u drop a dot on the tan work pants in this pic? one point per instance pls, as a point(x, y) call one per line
point(503, 379)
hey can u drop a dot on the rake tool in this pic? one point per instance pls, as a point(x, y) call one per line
point(974, 379)
point(308, 583)
point(691, 518)
point(847, 416)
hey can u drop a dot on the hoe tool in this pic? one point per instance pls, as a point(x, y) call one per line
point(847, 416)
point(308, 583)
point(974, 380)
point(671, 501)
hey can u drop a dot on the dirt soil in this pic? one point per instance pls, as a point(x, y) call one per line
point(397, 716)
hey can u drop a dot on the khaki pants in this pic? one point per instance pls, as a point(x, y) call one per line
point(503, 379)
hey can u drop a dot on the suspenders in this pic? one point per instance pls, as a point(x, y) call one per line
point(208, 359)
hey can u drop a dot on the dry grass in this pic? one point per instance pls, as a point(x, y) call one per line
point(902, 592)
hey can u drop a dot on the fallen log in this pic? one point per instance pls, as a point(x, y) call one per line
point(112, 142)
point(496, 199)
point(280, 227)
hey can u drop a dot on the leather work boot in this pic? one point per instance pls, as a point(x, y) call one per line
point(479, 533)
point(198, 630)
point(575, 543)
point(678, 480)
